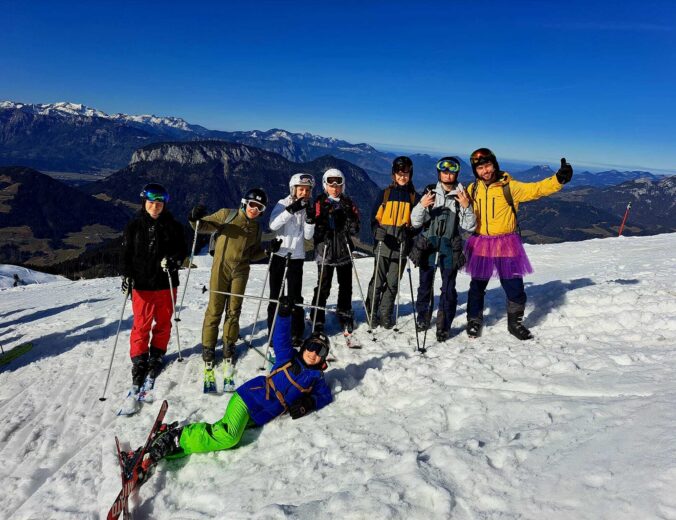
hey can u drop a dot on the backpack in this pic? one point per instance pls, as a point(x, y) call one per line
point(212, 238)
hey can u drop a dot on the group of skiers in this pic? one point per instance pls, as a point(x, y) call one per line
point(404, 224)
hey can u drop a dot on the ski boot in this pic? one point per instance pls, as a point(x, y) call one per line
point(474, 327)
point(516, 328)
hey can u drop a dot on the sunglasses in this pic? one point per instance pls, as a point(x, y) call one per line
point(255, 205)
point(318, 348)
point(403, 172)
point(334, 181)
point(448, 167)
point(155, 197)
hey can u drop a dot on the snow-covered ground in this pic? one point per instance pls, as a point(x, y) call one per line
point(25, 276)
point(579, 423)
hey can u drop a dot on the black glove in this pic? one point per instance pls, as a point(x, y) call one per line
point(310, 214)
point(285, 306)
point(303, 406)
point(379, 234)
point(275, 244)
point(297, 205)
point(127, 284)
point(170, 264)
point(197, 213)
point(565, 173)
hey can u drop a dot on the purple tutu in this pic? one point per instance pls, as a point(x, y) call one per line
point(501, 254)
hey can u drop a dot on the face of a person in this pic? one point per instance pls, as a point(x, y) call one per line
point(333, 190)
point(402, 178)
point(252, 210)
point(154, 209)
point(303, 192)
point(485, 171)
point(311, 358)
point(447, 179)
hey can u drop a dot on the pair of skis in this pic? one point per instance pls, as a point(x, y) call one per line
point(228, 376)
point(135, 468)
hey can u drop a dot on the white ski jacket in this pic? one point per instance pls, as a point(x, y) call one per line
point(291, 229)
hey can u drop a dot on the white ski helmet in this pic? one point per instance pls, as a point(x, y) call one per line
point(300, 179)
point(333, 173)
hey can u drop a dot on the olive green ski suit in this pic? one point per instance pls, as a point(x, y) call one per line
point(238, 242)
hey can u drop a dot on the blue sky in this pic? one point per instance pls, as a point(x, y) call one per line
point(533, 80)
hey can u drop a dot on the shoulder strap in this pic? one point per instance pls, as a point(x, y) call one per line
point(231, 216)
point(507, 192)
point(386, 196)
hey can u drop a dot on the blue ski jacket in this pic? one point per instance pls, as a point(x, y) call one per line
point(266, 397)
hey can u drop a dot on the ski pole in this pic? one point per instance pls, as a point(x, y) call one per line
point(112, 355)
point(271, 300)
point(410, 281)
point(274, 318)
point(260, 301)
point(396, 314)
point(356, 275)
point(176, 320)
point(431, 309)
point(319, 283)
point(626, 214)
point(375, 282)
point(192, 255)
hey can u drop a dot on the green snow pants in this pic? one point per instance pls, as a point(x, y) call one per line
point(222, 435)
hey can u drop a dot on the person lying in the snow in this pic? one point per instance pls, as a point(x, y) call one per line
point(295, 384)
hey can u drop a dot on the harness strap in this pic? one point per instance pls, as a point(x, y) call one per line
point(270, 384)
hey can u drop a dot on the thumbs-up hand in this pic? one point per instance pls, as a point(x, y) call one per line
point(565, 173)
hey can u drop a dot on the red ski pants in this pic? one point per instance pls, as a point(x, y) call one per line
point(149, 306)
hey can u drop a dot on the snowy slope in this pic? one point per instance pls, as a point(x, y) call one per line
point(578, 424)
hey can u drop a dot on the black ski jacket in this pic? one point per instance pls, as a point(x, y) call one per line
point(146, 243)
point(334, 222)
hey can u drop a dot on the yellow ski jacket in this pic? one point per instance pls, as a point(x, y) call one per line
point(494, 216)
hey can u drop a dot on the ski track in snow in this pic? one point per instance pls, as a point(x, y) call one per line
point(578, 423)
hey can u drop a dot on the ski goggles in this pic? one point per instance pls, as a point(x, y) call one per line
point(252, 204)
point(306, 180)
point(334, 181)
point(448, 166)
point(482, 156)
point(319, 348)
point(155, 196)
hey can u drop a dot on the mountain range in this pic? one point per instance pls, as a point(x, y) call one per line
point(71, 137)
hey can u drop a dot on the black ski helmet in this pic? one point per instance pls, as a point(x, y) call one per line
point(483, 156)
point(318, 343)
point(155, 193)
point(402, 163)
point(255, 195)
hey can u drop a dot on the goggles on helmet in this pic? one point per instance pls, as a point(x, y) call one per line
point(448, 166)
point(334, 181)
point(482, 156)
point(154, 195)
point(252, 204)
point(403, 170)
point(318, 347)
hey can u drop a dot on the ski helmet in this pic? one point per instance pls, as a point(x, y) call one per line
point(483, 156)
point(402, 164)
point(318, 343)
point(335, 176)
point(155, 193)
point(257, 196)
point(300, 179)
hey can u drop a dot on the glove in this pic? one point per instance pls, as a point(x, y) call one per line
point(379, 234)
point(197, 213)
point(127, 284)
point(275, 245)
point(169, 264)
point(303, 406)
point(310, 214)
point(565, 173)
point(285, 306)
point(297, 205)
